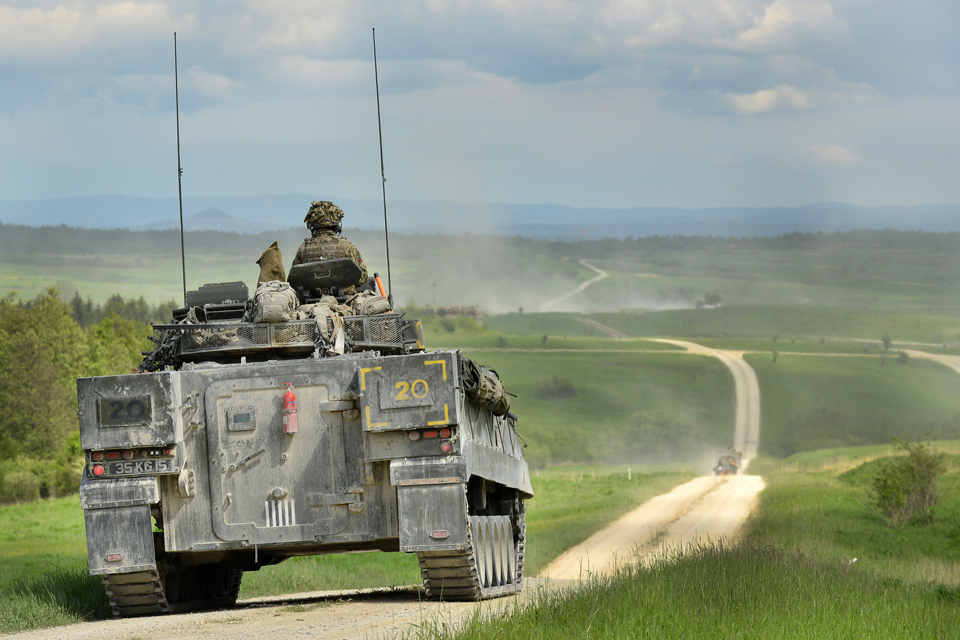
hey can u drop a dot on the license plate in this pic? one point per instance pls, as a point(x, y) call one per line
point(141, 467)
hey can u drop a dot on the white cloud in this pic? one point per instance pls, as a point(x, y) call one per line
point(212, 85)
point(835, 154)
point(62, 31)
point(785, 97)
point(780, 18)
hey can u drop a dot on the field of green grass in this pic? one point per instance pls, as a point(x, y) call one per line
point(819, 502)
point(809, 322)
point(856, 277)
point(644, 407)
point(811, 402)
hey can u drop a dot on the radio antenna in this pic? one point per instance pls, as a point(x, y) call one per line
point(176, 93)
point(383, 176)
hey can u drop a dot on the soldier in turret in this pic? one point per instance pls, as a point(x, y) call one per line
point(323, 220)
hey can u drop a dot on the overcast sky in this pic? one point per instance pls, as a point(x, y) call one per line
point(608, 103)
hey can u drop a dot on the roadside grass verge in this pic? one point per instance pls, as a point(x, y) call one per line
point(811, 402)
point(724, 592)
point(821, 501)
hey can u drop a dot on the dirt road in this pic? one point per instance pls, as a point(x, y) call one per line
point(746, 432)
point(706, 508)
point(377, 613)
point(552, 305)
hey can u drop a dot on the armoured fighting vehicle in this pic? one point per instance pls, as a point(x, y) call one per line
point(242, 444)
point(728, 463)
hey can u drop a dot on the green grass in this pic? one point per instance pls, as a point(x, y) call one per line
point(723, 592)
point(810, 322)
point(627, 408)
point(332, 573)
point(820, 502)
point(810, 402)
point(798, 346)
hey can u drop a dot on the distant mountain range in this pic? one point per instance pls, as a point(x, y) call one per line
point(254, 214)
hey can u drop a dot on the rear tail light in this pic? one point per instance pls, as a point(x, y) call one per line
point(113, 455)
point(429, 434)
point(127, 454)
point(97, 456)
point(445, 432)
point(446, 447)
point(98, 470)
point(414, 435)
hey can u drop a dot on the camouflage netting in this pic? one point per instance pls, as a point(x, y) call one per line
point(483, 386)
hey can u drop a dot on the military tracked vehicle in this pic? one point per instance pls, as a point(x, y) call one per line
point(242, 444)
point(728, 463)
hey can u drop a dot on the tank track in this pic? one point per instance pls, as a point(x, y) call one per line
point(151, 592)
point(493, 566)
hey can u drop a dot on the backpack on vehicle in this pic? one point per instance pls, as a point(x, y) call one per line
point(274, 301)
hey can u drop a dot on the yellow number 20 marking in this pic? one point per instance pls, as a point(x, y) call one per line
point(419, 389)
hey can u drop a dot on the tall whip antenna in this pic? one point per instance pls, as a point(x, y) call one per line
point(383, 176)
point(176, 92)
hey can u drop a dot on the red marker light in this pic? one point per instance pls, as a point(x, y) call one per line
point(97, 456)
point(414, 435)
point(445, 432)
point(113, 455)
point(446, 447)
point(440, 535)
point(98, 470)
point(114, 557)
point(167, 452)
point(127, 454)
point(429, 434)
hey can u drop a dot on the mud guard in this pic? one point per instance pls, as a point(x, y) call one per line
point(432, 503)
point(119, 528)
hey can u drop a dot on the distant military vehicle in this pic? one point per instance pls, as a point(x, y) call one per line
point(246, 443)
point(729, 462)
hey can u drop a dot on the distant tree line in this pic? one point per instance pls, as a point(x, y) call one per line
point(27, 243)
point(87, 312)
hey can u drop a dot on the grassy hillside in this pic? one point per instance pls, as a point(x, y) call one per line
point(820, 502)
point(816, 402)
point(645, 407)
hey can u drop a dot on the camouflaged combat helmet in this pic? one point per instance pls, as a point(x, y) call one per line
point(323, 214)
